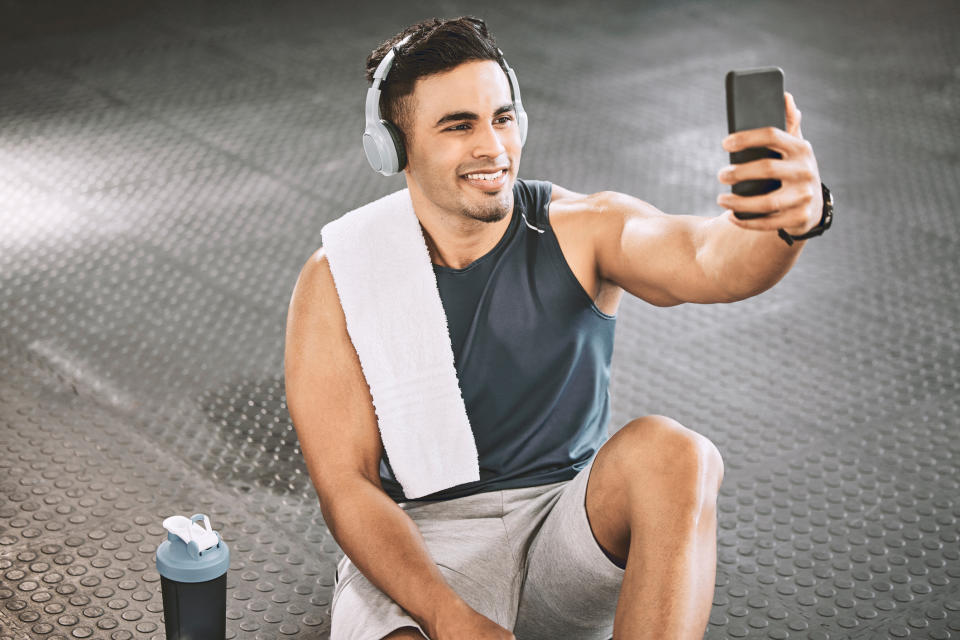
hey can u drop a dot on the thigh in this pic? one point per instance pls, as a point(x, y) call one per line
point(360, 611)
point(467, 540)
point(570, 588)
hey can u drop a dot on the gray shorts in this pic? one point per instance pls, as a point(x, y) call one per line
point(525, 558)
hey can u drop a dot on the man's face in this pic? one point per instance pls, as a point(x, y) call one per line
point(463, 123)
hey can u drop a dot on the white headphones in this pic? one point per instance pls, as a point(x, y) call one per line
point(382, 141)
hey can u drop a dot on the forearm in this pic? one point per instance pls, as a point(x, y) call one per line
point(386, 546)
point(746, 262)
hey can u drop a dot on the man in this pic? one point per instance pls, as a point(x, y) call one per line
point(567, 530)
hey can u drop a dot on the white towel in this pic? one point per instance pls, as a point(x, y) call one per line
point(388, 290)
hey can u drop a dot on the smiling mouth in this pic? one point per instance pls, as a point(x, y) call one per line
point(487, 177)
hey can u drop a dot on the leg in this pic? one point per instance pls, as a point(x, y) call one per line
point(651, 498)
point(406, 633)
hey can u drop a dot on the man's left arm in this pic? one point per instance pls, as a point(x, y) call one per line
point(669, 259)
point(748, 256)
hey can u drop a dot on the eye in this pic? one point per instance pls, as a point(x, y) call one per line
point(456, 127)
point(506, 118)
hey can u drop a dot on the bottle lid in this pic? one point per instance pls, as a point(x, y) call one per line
point(192, 553)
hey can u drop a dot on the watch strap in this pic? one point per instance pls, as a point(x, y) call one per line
point(826, 219)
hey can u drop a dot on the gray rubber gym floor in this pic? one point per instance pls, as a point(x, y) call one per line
point(165, 169)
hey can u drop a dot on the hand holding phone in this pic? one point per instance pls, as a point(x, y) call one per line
point(755, 99)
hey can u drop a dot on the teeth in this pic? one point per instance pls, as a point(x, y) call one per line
point(485, 176)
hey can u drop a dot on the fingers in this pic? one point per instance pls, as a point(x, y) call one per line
point(768, 223)
point(764, 169)
point(771, 137)
point(788, 206)
point(782, 199)
point(793, 219)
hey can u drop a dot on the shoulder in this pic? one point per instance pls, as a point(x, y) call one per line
point(314, 300)
point(576, 216)
point(601, 214)
point(560, 193)
point(315, 275)
point(608, 203)
point(601, 207)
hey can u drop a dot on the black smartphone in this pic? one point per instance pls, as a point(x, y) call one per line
point(754, 100)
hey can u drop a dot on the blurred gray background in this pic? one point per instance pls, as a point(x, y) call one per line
point(165, 169)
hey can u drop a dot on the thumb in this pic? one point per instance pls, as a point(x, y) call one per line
point(793, 115)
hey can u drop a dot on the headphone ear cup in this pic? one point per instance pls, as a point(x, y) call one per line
point(397, 138)
point(522, 123)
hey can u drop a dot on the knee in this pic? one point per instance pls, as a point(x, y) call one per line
point(686, 459)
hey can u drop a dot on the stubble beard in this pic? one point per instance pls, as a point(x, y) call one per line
point(495, 210)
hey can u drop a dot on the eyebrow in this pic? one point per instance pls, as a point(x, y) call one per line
point(457, 116)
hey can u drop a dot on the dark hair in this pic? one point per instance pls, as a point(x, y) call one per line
point(434, 46)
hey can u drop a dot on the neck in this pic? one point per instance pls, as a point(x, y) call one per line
point(455, 239)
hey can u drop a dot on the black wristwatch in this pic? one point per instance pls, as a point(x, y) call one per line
point(825, 219)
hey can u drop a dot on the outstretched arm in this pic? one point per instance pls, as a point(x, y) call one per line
point(670, 259)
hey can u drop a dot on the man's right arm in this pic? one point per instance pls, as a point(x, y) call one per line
point(332, 410)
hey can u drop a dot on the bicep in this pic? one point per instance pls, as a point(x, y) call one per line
point(652, 254)
point(327, 394)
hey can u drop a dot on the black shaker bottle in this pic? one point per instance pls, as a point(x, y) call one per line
point(192, 563)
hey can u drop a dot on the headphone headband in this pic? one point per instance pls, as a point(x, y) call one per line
point(382, 142)
point(372, 109)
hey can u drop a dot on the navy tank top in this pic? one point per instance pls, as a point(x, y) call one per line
point(532, 353)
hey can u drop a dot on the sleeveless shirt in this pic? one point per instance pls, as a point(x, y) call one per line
point(532, 354)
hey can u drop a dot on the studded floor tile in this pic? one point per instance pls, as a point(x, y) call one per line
point(165, 171)
point(81, 501)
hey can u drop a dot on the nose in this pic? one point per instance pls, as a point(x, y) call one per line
point(487, 141)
